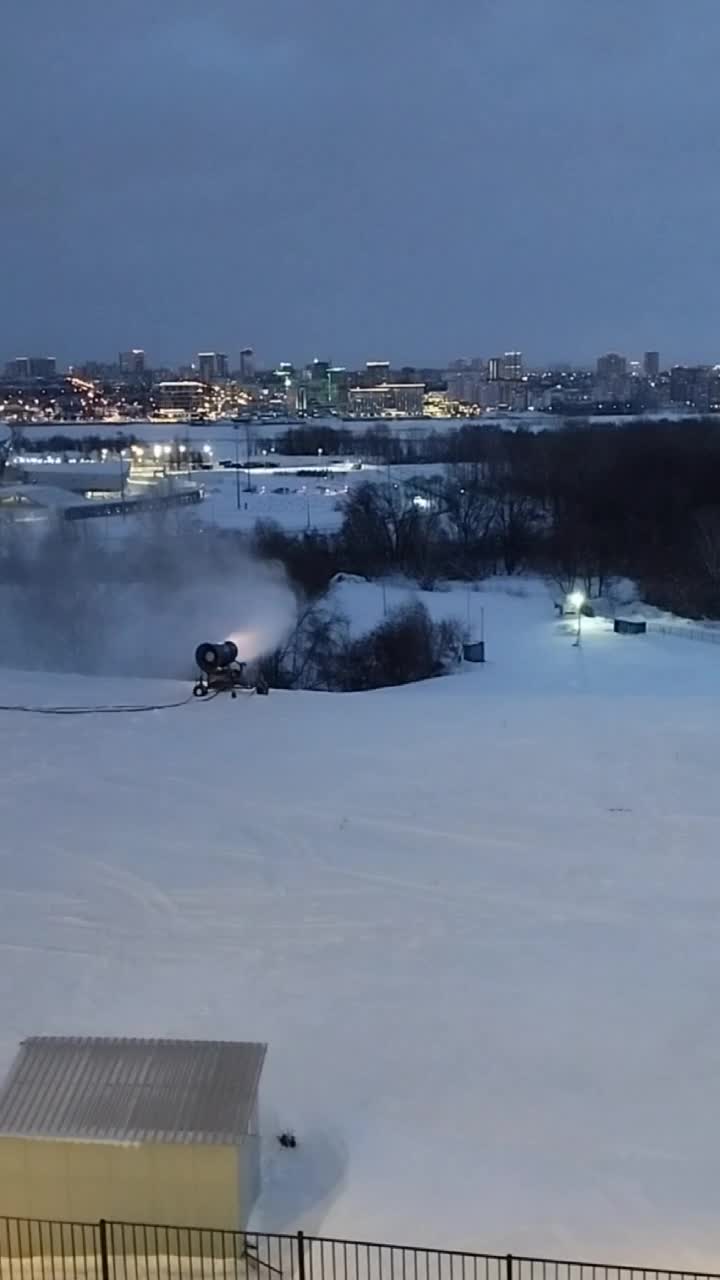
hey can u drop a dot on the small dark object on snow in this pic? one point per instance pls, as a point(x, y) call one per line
point(629, 627)
point(474, 652)
point(287, 1139)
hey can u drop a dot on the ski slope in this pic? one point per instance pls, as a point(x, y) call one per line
point(475, 919)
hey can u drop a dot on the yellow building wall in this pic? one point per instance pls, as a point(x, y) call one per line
point(177, 1184)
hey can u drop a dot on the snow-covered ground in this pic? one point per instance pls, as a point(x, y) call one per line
point(292, 500)
point(475, 919)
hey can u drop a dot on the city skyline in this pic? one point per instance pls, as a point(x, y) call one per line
point(231, 360)
point(420, 180)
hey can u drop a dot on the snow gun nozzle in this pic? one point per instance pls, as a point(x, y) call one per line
point(213, 657)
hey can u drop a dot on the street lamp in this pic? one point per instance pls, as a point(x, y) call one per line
point(248, 484)
point(577, 600)
point(236, 426)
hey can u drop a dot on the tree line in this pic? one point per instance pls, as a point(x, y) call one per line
point(580, 505)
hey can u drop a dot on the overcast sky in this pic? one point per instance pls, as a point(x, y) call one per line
point(416, 179)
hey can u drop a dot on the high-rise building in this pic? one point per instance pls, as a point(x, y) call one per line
point(377, 372)
point(466, 386)
point(317, 370)
point(496, 368)
point(212, 366)
point(338, 386)
point(25, 368)
point(513, 366)
point(316, 386)
point(132, 363)
point(247, 364)
point(206, 366)
point(611, 366)
point(690, 386)
point(651, 365)
point(612, 381)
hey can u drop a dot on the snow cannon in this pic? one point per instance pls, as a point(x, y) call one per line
point(215, 657)
point(221, 672)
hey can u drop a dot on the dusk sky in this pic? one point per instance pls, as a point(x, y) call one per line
point(401, 178)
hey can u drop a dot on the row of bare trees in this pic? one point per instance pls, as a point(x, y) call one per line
point(580, 504)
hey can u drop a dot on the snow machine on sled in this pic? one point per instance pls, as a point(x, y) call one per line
point(221, 672)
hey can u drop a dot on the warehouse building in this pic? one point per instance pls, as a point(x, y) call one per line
point(162, 1131)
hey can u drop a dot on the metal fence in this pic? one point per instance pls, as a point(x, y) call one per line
point(707, 635)
point(31, 1249)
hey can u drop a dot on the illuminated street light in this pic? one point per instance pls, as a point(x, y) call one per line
point(577, 600)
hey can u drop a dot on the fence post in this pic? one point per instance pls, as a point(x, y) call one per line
point(104, 1264)
point(509, 1267)
point(301, 1255)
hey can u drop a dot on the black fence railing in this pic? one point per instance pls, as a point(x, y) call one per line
point(34, 1249)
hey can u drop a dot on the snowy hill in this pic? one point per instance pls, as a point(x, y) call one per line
point(475, 919)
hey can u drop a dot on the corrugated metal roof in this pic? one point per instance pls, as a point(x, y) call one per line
point(200, 1091)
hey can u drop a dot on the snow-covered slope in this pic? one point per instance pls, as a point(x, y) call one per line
point(476, 921)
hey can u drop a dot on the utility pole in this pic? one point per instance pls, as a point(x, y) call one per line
point(248, 486)
point(236, 425)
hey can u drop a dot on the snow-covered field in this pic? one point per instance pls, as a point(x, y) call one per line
point(476, 920)
point(294, 501)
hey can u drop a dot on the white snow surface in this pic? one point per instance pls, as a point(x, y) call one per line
point(475, 919)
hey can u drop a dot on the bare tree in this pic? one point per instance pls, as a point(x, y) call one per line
point(707, 523)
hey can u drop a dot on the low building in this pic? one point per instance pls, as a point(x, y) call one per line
point(390, 400)
point(162, 1131)
point(30, 503)
point(79, 475)
point(184, 396)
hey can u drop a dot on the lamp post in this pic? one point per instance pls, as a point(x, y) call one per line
point(236, 425)
point(248, 485)
point(577, 599)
